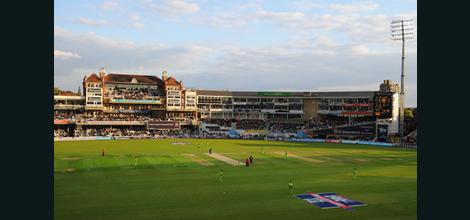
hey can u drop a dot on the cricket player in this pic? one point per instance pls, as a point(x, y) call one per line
point(251, 159)
point(102, 152)
point(286, 153)
point(221, 173)
point(247, 162)
point(135, 158)
point(354, 172)
point(291, 187)
point(210, 151)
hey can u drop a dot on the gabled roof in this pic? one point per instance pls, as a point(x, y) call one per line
point(172, 82)
point(68, 93)
point(93, 78)
point(128, 78)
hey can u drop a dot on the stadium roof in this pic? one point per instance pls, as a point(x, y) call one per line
point(68, 93)
point(355, 94)
point(249, 93)
point(127, 78)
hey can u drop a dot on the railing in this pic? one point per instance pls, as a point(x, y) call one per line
point(136, 101)
point(329, 112)
point(91, 122)
point(71, 107)
point(343, 126)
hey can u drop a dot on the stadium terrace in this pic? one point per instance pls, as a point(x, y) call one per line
point(146, 106)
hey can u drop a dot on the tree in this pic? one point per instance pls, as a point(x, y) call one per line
point(56, 90)
point(409, 113)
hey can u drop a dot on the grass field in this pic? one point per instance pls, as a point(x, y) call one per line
point(181, 181)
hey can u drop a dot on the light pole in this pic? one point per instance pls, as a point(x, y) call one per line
point(402, 30)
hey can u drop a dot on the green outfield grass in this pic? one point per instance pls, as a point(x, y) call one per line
point(167, 184)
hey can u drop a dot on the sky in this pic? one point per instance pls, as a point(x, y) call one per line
point(257, 45)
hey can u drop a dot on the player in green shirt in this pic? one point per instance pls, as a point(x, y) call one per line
point(354, 172)
point(221, 173)
point(291, 187)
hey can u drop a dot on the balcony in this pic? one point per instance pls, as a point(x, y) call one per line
point(329, 112)
point(125, 111)
point(68, 107)
point(155, 101)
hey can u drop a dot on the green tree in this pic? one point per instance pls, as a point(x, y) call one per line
point(56, 90)
point(409, 113)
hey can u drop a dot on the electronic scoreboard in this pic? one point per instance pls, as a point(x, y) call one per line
point(383, 105)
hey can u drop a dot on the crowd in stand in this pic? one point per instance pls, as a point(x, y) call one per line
point(60, 133)
point(114, 117)
point(325, 123)
point(62, 115)
point(252, 124)
point(133, 93)
point(411, 138)
point(315, 124)
point(139, 132)
point(243, 124)
point(276, 128)
point(220, 122)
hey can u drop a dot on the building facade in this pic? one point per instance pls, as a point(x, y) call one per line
point(133, 100)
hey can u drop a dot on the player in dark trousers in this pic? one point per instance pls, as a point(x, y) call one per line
point(251, 159)
point(354, 172)
point(210, 151)
point(247, 162)
point(102, 152)
point(291, 187)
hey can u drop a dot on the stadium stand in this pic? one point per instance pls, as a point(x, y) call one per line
point(121, 105)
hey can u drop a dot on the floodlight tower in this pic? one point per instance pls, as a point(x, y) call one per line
point(402, 30)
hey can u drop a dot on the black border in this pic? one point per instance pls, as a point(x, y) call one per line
point(27, 113)
point(442, 110)
point(27, 110)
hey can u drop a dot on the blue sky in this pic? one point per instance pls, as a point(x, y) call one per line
point(239, 45)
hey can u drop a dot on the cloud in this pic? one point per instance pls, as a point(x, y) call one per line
point(108, 5)
point(306, 5)
point(92, 22)
point(366, 28)
point(173, 7)
point(324, 66)
point(135, 17)
point(65, 55)
point(318, 67)
point(138, 25)
point(354, 7)
point(283, 17)
point(121, 57)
